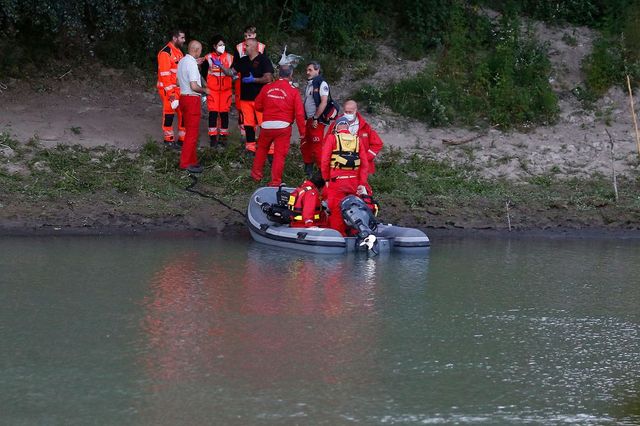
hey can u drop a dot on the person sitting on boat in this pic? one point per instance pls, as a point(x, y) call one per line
point(306, 204)
point(345, 168)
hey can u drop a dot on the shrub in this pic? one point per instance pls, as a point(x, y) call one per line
point(481, 75)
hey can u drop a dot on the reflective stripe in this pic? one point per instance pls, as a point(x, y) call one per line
point(372, 153)
point(343, 177)
point(170, 87)
point(165, 73)
point(217, 74)
point(275, 124)
point(174, 70)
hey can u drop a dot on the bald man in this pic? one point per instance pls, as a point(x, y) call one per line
point(256, 70)
point(358, 126)
point(190, 92)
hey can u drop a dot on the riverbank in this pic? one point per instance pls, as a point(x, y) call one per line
point(71, 189)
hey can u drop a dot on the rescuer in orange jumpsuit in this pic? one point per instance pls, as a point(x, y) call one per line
point(168, 89)
point(241, 51)
point(280, 105)
point(345, 167)
point(216, 68)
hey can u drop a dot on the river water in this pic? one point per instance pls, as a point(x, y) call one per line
point(198, 331)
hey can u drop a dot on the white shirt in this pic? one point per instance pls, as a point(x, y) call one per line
point(309, 105)
point(354, 127)
point(188, 72)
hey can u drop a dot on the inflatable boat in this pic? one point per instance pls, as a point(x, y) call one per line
point(371, 235)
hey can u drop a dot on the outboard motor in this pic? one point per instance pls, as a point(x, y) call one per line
point(358, 216)
point(279, 212)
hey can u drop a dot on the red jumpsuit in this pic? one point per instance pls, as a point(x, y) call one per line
point(368, 137)
point(341, 182)
point(281, 105)
point(311, 146)
point(305, 202)
point(168, 90)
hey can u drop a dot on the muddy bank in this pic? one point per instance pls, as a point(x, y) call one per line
point(197, 216)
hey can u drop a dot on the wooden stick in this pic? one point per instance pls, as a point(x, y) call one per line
point(633, 114)
point(613, 168)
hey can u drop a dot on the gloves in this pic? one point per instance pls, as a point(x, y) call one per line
point(249, 79)
point(174, 104)
point(217, 62)
point(361, 190)
point(204, 99)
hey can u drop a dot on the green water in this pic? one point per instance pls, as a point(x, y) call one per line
point(180, 331)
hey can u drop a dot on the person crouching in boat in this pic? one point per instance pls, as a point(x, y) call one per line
point(306, 204)
point(345, 168)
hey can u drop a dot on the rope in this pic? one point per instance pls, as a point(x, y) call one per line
point(194, 181)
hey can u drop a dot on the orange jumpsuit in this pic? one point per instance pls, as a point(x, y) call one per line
point(168, 89)
point(219, 98)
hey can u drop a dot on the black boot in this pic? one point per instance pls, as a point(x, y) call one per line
point(213, 141)
point(308, 169)
point(222, 141)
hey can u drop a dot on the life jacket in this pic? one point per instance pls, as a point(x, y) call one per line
point(295, 203)
point(216, 78)
point(346, 153)
point(332, 109)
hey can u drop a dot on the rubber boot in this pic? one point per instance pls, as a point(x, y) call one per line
point(213, 141)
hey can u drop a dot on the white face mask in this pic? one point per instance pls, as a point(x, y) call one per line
point(350, 117)
point(220, 49)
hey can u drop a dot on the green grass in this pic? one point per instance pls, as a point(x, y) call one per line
point(403, 182)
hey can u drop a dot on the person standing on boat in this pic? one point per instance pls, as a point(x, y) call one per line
point(359, 126)
point(280, 105)
point(306, 203)
point(345, 168)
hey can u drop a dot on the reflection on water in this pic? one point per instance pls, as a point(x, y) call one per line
point(266, 319)
point(200, 331)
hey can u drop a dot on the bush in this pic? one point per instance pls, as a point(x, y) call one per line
point(615, 55)
point(481, 75)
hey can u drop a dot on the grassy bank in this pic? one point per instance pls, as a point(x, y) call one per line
point(77, 187)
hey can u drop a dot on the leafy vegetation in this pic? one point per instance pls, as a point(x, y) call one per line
point(615, 55)
point(484, 74)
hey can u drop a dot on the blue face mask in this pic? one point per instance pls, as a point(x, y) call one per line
point(350, 117)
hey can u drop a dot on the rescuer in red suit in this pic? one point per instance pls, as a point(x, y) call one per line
point(345, 168)
point(280, 105)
